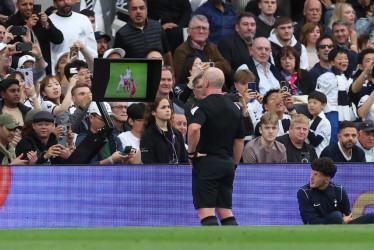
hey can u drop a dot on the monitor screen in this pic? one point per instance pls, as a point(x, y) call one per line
point(126, 79)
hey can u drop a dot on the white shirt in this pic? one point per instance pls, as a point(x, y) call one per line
point(370, 115)
point(268, 81)
point(323, 129)
point(75, 27)
point(98, 15)
point(128, 139)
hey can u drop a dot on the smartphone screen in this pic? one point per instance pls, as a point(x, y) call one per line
point(74, 52)
point(36, 9)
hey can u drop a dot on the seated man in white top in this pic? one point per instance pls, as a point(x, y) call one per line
point(366, 139)
point(265, 149)
point(135, 114)
point(267, 76)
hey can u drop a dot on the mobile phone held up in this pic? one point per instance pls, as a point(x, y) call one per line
point(24, 47)
point(36, 9)
point(18, 30)
point(74, 53)
point(127, 150)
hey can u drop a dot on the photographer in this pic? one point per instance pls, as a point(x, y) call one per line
point(40, 25)
point(112, 151)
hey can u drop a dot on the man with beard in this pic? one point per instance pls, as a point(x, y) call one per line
point(40, 26)
point(235, 48)
point(75, 27)
point(102, 40)
point(345, 150)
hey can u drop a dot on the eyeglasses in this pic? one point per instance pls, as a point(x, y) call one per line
point(119, 107)
point(83, 73)
point(324, 46)
point(200, 28)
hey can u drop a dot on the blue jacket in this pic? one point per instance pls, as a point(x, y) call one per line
point(316, 204)
point(220, 23)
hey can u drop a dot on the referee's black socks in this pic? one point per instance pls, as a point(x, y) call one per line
point(229, 221)
point(209, 221)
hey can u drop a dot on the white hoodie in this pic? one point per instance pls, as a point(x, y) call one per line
point(304, 56)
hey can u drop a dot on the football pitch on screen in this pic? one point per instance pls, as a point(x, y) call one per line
point(138, 74)
point(339, 237)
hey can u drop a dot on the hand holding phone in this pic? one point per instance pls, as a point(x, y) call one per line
point(24, 47)
point(18, 30)
point(127, 150)
point(73, 54)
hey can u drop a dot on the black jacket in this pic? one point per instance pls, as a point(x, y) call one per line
point(31, 142)
point(44, 36)
point(135, 41)
point(156, 149)
point(315, 204)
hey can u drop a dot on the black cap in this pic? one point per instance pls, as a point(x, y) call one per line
point(43, 116)
point(136, 111)
point(6, 83)
point(366, 126)
point(100, 34)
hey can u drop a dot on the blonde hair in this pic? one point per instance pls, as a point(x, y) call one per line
point(269, 118)
point(299, 118)
point(338, 13)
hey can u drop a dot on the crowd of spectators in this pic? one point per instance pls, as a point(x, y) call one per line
point(303, 84)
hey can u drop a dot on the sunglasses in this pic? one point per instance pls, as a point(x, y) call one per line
point(324, 46)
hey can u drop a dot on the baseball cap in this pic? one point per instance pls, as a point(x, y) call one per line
point(5, 84)
point(115, 50)
point(24, 59)
point(136, 111)
point(30, 114)
point(9, 121)
point(100, 34)
point(43, 116)
point(94, 109)
point(366, 126)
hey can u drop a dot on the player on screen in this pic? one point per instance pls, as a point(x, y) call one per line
point(133, 88)
point(124, 80)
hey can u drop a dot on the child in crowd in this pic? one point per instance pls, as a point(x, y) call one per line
point(320, 127)
point(335, 85)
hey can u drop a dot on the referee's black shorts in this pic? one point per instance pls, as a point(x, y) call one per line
point(212, 182)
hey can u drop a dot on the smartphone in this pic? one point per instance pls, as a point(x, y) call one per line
point(25, 47)
point(62, 140)
point(73, 71)
point(284, 86)
point(127, 150)
point(29, 78)
point(74, 52)
point(252, 86)
point(36, 9)
point(65, 128)
point(18, 30)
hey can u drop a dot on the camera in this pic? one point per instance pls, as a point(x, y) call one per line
point(284, 86)
point(65, 128)
point(305, 157)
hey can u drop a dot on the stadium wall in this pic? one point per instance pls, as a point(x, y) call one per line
point(159, 195)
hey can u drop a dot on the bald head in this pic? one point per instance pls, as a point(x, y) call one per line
point(215, 77)
point(312, 11)
point(261, 50)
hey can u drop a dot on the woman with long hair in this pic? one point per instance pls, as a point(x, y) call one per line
point(308, 37)
point(297, 80)
point(52, 98)
point(28, 95)
point(160, 142)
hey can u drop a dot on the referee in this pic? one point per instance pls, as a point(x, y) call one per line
point(215, 145)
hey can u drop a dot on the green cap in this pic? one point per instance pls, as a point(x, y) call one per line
point(8, 121)
point(30, 114)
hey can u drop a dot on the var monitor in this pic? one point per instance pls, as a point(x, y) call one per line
point(133, 80)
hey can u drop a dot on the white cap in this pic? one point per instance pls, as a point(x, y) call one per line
point(61, 55)
point(24, 59)
point(3, 46)
point(115, 50)
point(94, 109)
